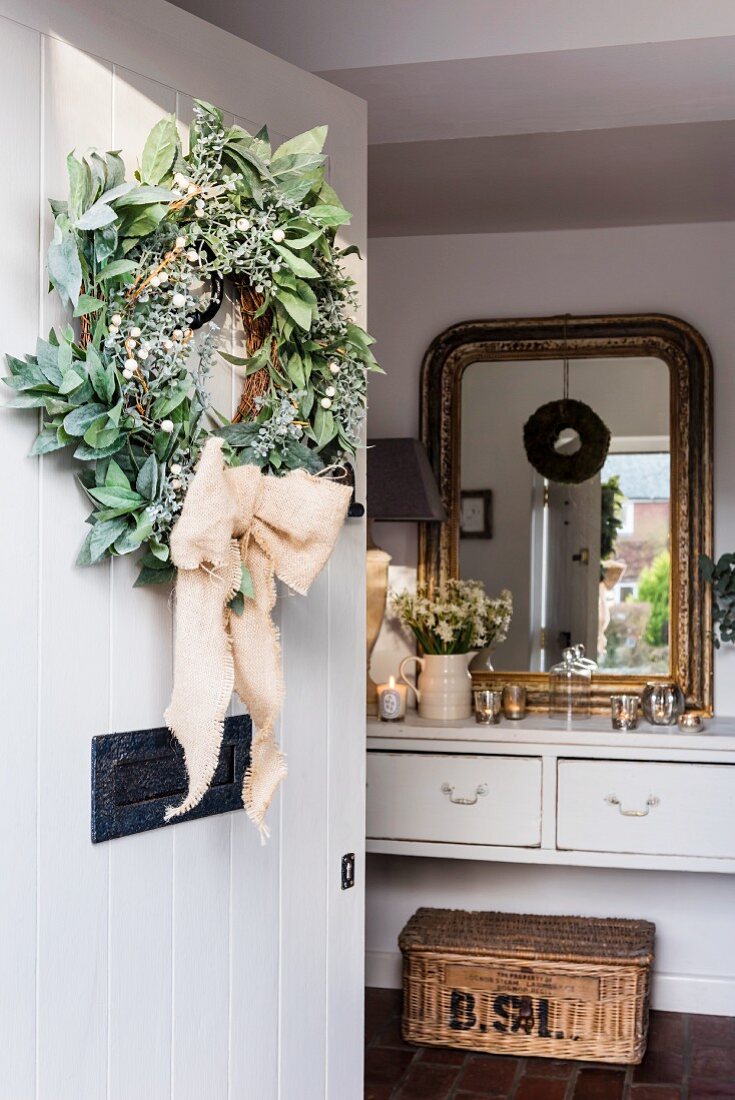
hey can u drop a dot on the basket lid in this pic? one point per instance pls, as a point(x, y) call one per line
point(529, 935)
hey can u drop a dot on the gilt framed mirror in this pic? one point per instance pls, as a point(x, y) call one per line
point(611, 562)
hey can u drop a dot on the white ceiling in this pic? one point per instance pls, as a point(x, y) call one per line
point(321, 35)
point(500, 115)
point(640, 85)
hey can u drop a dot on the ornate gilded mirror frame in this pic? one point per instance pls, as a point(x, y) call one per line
point(686, 353)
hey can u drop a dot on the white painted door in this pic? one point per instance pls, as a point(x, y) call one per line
point(573, 567)
point(188, 962)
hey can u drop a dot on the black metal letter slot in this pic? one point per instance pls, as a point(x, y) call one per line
point(135, 776)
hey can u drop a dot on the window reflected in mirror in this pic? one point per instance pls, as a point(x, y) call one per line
point(586, 563)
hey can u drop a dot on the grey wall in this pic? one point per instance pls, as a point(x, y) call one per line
point(418, 286)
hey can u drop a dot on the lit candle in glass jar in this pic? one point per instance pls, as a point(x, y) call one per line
point(514, 701)
point(391, 701)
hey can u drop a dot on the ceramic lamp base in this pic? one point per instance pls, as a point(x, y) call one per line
point(377, 593)
point(372, 695)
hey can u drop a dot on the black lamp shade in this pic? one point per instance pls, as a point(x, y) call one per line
point(401, 486)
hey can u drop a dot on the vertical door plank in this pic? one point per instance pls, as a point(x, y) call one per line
point(346, 744)
point(254, 964)
point(74, 640)
point(201, 932)
point(304, 844)
point(346, 807)
point(140, 866)
point(201, 920)
point(254, 934)
point(20, 83)
point(303, 822)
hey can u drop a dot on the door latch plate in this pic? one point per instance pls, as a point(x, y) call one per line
point(348, 870)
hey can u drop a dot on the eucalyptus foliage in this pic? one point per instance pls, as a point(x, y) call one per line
point(721, 576)
point(127, 255)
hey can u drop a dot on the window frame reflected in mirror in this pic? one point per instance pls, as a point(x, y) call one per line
point(682, 348)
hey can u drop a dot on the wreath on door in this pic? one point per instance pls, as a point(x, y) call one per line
point(229, 504)
point(129, 392)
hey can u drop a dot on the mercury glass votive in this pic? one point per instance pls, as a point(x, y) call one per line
point(514, 701)
point(488, 705)
point(691, 722)
point(624, 711)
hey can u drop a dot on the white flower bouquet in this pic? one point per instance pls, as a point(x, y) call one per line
point(455, 618)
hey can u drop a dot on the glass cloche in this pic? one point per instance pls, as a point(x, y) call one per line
point(570, 686)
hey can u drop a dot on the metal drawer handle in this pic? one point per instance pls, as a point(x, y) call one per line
point(651, 802)
point(480, 792)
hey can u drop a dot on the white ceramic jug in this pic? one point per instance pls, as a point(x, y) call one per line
point(444, 690)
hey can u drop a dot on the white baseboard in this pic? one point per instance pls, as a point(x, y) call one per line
point(383, 969)
point(698, 993)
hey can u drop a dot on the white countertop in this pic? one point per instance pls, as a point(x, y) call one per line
point(718, 734)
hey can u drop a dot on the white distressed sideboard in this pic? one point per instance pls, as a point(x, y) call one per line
point(535, 791)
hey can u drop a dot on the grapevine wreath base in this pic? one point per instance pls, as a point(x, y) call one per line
point(226, 504)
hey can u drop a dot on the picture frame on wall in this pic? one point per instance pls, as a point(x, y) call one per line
point(476, 514)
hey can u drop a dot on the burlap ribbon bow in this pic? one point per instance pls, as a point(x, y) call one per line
point(281, 527)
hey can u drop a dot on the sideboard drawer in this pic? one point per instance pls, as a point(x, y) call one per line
point(646, 808)
point(455, 799)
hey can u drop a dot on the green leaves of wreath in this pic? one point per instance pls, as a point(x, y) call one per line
point(129, 393)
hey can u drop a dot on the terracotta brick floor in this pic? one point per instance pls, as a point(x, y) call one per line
point(688, 1058)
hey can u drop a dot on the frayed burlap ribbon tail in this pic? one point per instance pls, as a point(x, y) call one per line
point(281, 527)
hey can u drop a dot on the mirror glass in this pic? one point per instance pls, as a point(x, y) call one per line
point(586, 563)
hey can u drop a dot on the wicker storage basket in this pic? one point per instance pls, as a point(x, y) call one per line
point(550, 987)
